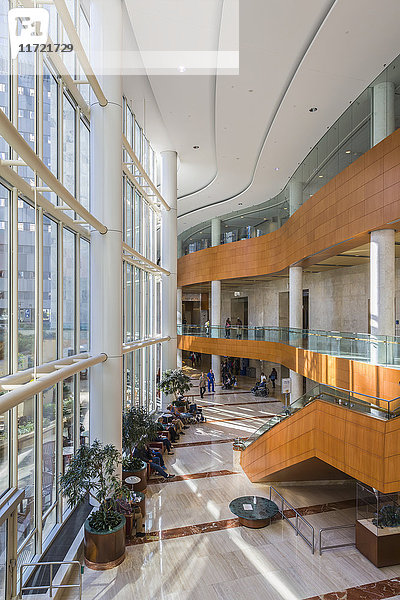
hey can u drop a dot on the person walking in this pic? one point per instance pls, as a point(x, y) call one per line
point(228, 326)
point(202, 385)
point(239, 326)
point(211, 380)
point(207, 328)
point(273, 377)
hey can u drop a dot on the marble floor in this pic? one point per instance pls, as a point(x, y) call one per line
point(195, 549)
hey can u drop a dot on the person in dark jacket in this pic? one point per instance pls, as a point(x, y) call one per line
point(154, 459)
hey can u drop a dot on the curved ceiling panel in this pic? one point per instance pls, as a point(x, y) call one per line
point(342, 59)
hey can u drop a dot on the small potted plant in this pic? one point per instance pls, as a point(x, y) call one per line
point(138, 428)
point(92, 473)
point(175, 382)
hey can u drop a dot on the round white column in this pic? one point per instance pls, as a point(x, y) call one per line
point(106, 202)
point(169, 262)
point(216, 300)
point(382, 290)
point(383, 123)
point(295, 196)
point(179, 323)
point(296, 321)
point(215, 323)
point(215, 232)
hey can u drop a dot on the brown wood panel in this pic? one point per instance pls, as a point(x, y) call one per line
point(354, 443)
point(363, 197)
point(359, 377)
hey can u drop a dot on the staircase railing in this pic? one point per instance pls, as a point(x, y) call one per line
point(375, 407)
point(51, 586)
point(298, 518)
point(331, 546)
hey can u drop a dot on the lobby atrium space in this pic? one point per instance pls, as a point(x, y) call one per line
point(200, 299)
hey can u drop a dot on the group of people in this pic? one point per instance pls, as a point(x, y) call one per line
point(238, 327)
point(207, 380)
point(228, 378)
point(175, 425)
point(262, 384)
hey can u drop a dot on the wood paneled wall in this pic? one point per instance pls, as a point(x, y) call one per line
point(363, 197)
point(339, 372)
point(362, 447)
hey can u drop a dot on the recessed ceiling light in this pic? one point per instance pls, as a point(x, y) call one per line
point(265, 218)
point(276, 168)
point(313, 109)
point(348, 152)
point(240, 203)
point(242, 217)
point(320, 176)
point(182, 69)
point(226, 225)
point(285, 208)
point(196, 147)
point(251, 91)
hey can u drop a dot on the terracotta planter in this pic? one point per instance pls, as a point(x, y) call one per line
point(104, 550)
point(142, 473)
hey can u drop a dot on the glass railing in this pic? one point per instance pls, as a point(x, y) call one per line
point(373, 406)
point(376, 350)
point(348, 138)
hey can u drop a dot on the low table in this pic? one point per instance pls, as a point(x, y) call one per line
point(131, 481)
point(253, 511)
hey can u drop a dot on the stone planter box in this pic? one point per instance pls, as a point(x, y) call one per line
point(106, 550)
point(380, 546)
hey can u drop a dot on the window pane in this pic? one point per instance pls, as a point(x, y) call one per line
point(50, 273)
point(26, 471)
point(84, 407)
point(4, 457)
point(4, 280)
point(69, 145)
point(68, 422)
point(84, 165)
point(49, 457)
point(69, 293)
point(50, 135)
point(26, 105)
point(26, 285)
point(84, 296)
point(138, 303)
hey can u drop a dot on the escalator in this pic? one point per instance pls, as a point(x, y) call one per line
point(328, 434)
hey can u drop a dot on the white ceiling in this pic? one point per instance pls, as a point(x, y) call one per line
point(293, 55)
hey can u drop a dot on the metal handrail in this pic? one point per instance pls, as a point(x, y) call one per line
point(51, 585)
point(298, 516)
point(322, 548)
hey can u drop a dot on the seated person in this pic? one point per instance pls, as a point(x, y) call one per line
point(168, 427)
point(165, 442)
point(183, 415)
point(154, 459)
point(177, 415)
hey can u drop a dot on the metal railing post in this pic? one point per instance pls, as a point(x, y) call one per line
point(51, 581)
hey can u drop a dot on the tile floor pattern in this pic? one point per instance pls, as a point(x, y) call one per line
point(195, 550)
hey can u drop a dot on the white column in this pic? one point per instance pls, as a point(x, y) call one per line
point(295, 196)
point(215, 232)
point(215, 322)
point(180, 248)
point(216, 300)
point(382, 290)
point(296, 321)
point(179, 323)
point(106, 250)
point(383, 111)
point(169, 261)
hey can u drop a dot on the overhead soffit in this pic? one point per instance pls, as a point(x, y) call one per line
point(293, 55)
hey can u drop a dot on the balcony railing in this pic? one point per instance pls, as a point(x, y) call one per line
point(364, 347)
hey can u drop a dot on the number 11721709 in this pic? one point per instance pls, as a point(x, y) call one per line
point(46, 47)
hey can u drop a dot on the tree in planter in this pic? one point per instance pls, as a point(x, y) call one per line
point(91, 472)
point(138, 429)
point(175, 382)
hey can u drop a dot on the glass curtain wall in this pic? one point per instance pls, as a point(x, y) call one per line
point(51, 271)
point(141, 286)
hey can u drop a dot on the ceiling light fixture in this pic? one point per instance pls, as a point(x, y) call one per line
point(313, 109)
point(320, 176)
point(182, 69)
point(242, 217)
point(196, 147)
point(276, 168)
point(348, 152)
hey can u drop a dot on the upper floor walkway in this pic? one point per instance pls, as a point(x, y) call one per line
point(365, 196)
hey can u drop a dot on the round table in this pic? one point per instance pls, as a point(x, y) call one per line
point(253, 511)
point(132, 480)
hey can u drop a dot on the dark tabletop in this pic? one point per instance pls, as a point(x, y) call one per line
point(261, 508)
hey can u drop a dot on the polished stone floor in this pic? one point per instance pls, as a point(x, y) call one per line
point(196, 550)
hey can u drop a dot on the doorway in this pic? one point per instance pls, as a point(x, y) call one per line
point(284, 309)
point(240, 308)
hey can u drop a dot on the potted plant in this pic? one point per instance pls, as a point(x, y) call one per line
point(92, 473)
point(175, 382)
point(138, 428)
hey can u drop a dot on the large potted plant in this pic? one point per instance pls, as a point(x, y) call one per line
point(92, 473)
point(138, 429)
point(175, 382)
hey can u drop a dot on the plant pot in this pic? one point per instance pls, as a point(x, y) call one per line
point(381, 546)
point(104, 550)
point(142, 474)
